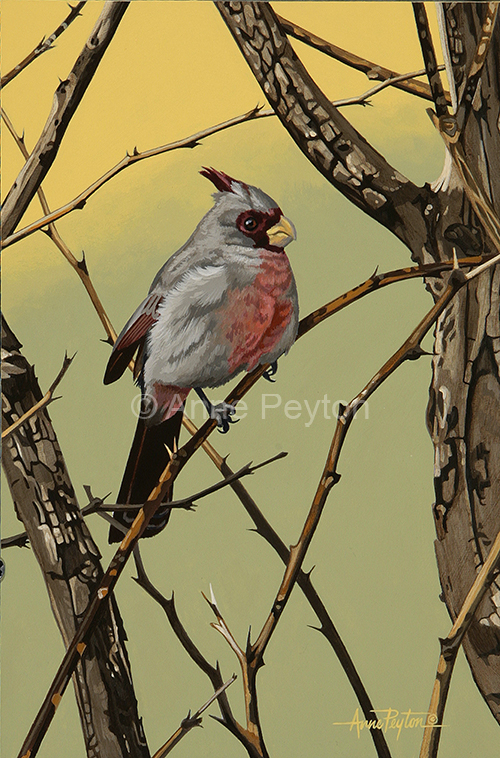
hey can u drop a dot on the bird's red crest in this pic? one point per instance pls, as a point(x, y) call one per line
point(222, 181)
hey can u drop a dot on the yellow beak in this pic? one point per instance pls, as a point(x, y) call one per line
point(282, 233)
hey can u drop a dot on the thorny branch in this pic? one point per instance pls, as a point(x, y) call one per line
point(44, 45)
point(46, 400)
point(450, 647)
point(66, 101)
point(80, 267)
point(188, 503)
point(372, 70)
point(191, 721)
point(213, 672)
point(191, 141)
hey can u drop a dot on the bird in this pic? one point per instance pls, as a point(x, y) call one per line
point(224, 303)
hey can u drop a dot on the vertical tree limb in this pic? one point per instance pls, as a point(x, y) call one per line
point(69, 559)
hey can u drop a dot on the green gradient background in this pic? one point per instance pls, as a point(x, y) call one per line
point(173, 69)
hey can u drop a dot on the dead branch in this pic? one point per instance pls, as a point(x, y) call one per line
point(327, 139)
point(327, 628)
point(213, 672)
point(188, 503)
point(80, 267)
point(191, 721)
point(44, 45)
point(450, 647)
point(362, 99)
point(187, 142)
point(78, 202)
point(372, 70)
point(66, 100)
point(46, 400)
point(429, 56)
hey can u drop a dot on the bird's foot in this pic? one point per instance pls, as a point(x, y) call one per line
point(222, 412)
point(271, 372)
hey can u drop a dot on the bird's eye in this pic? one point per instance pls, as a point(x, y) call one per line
point(250, 223)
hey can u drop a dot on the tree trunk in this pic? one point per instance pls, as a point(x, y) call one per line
point(464, 406)
point(70, 562)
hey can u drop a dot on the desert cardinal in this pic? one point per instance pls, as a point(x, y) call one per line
point(225, 302)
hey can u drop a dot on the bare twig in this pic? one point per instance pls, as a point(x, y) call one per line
point(46, 399)
point(372, 70)
point(450, 647)
point(80, 267)
point(429, 56)
point(191, 721)
point(44, 45)
point(327, 627)
point(361, 99)
point(79, 201)
point(189, 502)
point(213, 672)
point(66, 100)
point(187, 142)
point(253, 725)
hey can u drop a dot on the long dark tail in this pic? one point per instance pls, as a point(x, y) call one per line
point(147, 459)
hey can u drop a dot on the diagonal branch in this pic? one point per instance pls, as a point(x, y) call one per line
point(213, 672)
point(429, 56)
point(372, 70)
point(67, 98)
point(46, 399)
point(408, 351)
point(327, 627)
point(189, 502)
point(190, 722)
point(80, 267)
point(44, 45)
point(321, 132)
point(450, 647)
point(187, 142)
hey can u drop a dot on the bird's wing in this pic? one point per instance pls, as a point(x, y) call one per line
point(132, 337)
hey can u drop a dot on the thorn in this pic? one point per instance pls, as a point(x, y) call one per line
point(107, 341)
point(316, 628)
point(374, 275)
point(248, 650)
point(308, 573)
point(455, 260)
point(416, 353)
point(136, 152)
point(82, 265)
point(80, 205)
point(212, 596)
point(21, 138)
point(170, 453)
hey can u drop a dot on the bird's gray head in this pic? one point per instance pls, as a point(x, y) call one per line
point(247, 215)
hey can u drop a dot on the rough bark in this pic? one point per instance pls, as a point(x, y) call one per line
point(464, 406)
point(70, 563)
point(66, 100)
point(325, 137)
